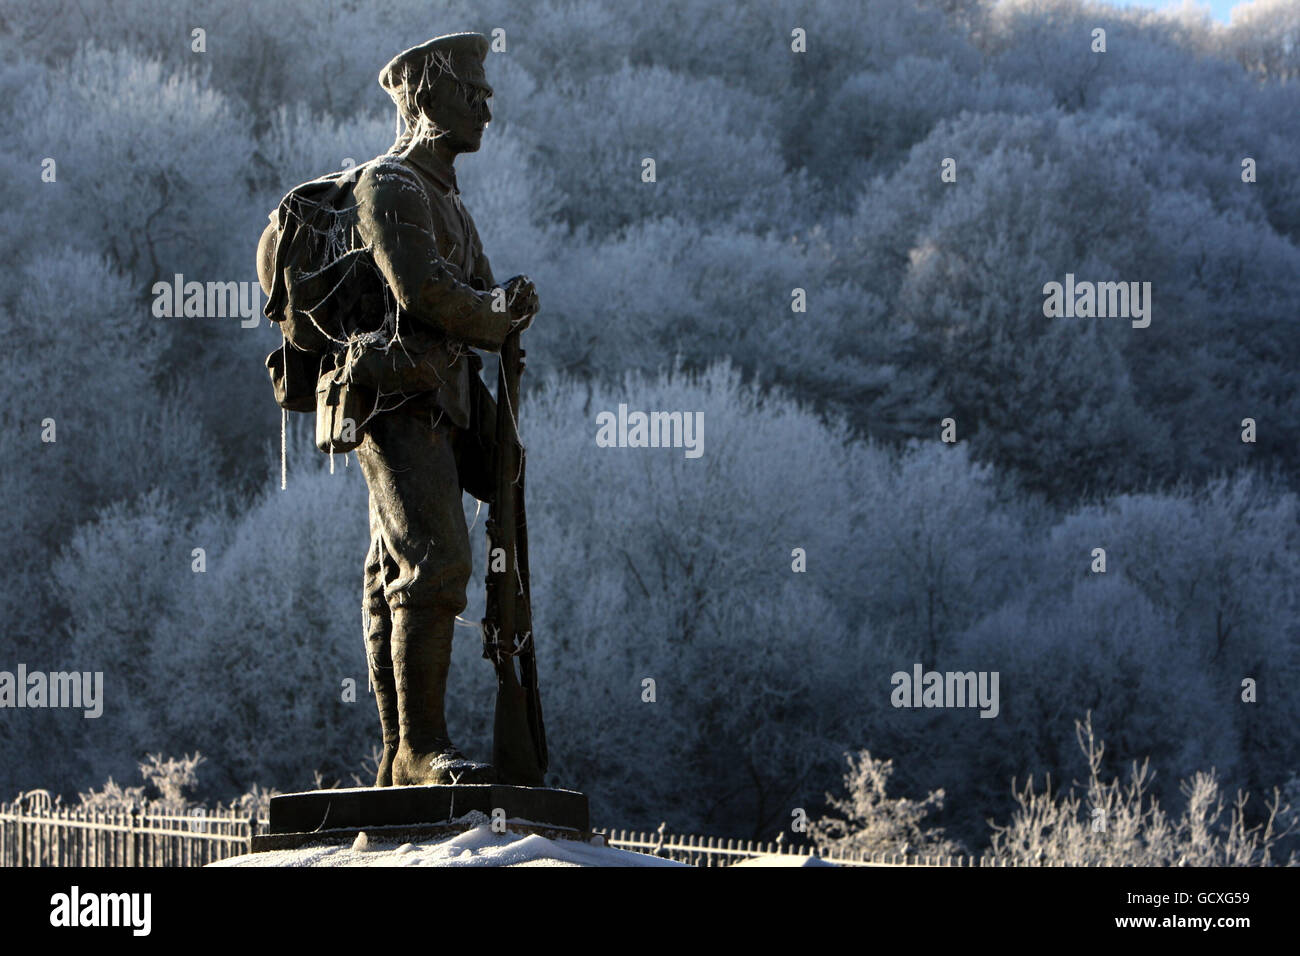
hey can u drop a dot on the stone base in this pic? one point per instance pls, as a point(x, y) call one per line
point(411, 813)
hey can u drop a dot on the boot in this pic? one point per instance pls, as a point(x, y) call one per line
point(421, 655)
point(379, 654)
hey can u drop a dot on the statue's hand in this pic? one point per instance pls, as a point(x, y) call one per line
point(521, 302)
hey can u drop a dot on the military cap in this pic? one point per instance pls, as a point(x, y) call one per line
point(463, 53)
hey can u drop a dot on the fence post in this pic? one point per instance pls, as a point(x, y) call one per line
point(133, 836)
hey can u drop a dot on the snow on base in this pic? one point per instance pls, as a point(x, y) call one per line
point(783, 859)
point(478, 846)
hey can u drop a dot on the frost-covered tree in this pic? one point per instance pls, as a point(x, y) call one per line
point(1110, 822)
point(867, 822)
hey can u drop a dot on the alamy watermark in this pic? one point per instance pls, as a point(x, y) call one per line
point(179, 299)
point(80, 690)
point(75, 909)
point(1101, 300)
point(651, 430)
point(922, 688)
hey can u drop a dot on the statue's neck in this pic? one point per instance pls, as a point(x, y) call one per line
point(444, 152)
point(423, 135)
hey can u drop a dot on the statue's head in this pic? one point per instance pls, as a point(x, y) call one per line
point(441, 90)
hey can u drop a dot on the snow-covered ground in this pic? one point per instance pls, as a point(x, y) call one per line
point(478, 846)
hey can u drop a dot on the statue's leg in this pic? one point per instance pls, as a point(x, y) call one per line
point(378, 625)
point(410, 467)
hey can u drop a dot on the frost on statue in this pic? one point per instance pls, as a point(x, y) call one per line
point(377, 278)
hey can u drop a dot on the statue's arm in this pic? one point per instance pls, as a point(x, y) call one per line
point(483, 273)
point(483, 278)
point(394, 221)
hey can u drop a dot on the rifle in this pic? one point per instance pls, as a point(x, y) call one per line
point(518, 734)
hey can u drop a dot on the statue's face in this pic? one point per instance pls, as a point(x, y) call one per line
point(461, 113)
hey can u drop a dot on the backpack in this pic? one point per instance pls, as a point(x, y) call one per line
point(321, 283)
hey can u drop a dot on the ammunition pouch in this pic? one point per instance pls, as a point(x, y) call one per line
point(294, 374)
point(418, 366)
point(342, 409)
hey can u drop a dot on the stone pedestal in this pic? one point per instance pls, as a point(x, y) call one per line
point(413, 813)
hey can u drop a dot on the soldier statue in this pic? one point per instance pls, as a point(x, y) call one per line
point(425, 433)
